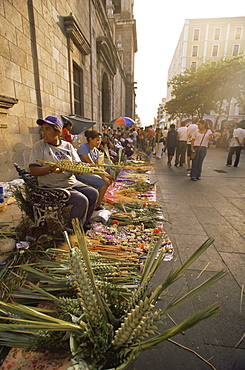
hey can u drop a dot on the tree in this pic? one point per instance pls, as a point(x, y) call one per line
point(197, 92)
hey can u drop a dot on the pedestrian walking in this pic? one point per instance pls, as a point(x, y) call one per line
point(141, 139)
point(171, 143)
point(135, 137)
point(181, 144)
point(165, 134)
point(159, 142)
point(237, 144)
point(191, 128)
point(150, 136)
point(199, 145)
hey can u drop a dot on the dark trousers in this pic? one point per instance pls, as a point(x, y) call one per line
point(232, 150)
point(180, 152)
point(83, 199)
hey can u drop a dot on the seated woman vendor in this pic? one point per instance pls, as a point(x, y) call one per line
point(89, 153)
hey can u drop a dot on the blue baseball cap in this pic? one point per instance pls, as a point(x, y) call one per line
point(51, 120)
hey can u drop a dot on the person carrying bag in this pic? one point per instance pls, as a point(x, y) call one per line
point(199, 145)
point(195, 151)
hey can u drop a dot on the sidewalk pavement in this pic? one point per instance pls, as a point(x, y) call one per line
point(213, 207)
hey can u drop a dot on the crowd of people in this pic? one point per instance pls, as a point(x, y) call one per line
point(186, 144)
point(86, 191)
point(190, 141)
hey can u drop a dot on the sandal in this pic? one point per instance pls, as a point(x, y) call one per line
point(193, 179)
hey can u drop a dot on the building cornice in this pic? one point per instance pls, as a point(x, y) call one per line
point(7, 102)
point(76, 35)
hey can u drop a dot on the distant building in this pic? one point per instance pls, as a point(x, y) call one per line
point(202, 40)
point(161, 114)
point(62, 58)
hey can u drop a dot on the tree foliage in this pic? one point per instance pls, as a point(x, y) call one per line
point(198, 91)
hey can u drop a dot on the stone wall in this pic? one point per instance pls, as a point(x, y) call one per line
point(37, 51)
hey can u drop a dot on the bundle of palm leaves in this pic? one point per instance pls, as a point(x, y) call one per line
point(100, 336)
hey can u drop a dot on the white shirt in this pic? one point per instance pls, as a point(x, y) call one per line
point(135, 133)
point(198, 138)
point(190, 131)
point(182, 133)
point(54, 153)
point(240, 134)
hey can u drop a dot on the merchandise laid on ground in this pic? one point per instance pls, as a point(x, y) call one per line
point(69, 301)
point(131, 220)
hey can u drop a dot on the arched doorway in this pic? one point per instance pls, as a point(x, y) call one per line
point(105, 99)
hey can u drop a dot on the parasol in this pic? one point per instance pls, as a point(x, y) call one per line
point(124, 121)
point(79, 125)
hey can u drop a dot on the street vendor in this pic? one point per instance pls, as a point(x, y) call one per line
point(89, 153)
point(52, 149)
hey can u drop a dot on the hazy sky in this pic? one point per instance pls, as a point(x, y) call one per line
point(159, 24)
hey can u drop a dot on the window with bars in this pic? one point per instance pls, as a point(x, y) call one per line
point(235, 50)
point(215, 50)
point(238, 33)
point(194, 51)
point(78, 90)
point(196, 34)
point(217, 33)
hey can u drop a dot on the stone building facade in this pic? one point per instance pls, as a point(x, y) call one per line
point(62, 58)
point(209, 39)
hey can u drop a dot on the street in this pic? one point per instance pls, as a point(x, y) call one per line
point(213, 207)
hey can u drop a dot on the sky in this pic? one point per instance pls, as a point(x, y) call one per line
point(159, 24)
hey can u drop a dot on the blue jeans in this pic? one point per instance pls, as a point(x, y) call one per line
point(196, 168)
point(92, 180)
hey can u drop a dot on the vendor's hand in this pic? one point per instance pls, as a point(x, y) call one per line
point(54, 169)
point(57, 170)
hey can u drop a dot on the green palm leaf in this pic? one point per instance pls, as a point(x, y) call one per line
point(175, 303)
point(132, 352)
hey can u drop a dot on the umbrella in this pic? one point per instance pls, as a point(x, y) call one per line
point(124, 121)
point(79, 125)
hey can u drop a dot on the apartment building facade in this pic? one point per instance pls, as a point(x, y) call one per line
point(202, 40)
point(161, 118)
point(62, 58)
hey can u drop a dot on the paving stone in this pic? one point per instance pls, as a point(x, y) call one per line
point(226, 238)
point(187, 244)
point(185, 223)
point(238, 224)
point(227, 327)
point(209, 215)
point(213, 207)
point(228, 209)
point(236, 265)
point(239, 203)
